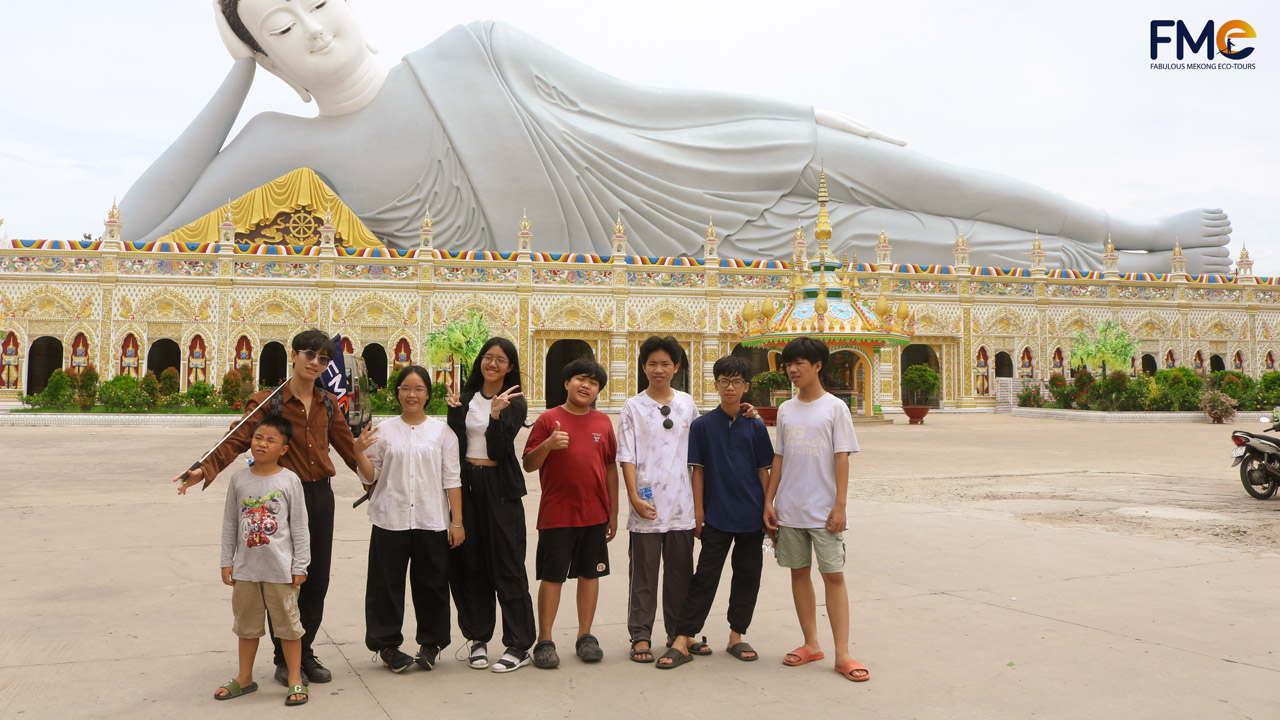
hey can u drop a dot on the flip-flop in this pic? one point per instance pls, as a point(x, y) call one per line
point(635, 654)
point(803, 657)
point(234, 690)
point(676, 657)
point(701, 647)
point(849, 668)
point(297, 690)
point(738, 649)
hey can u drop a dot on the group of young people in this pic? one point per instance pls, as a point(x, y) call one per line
point(446, 508)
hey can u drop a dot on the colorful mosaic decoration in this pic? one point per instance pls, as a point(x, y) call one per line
point(402, 273)
point(1083, 292)
point(50, 265)
point(597, 278)
point(1003, 289)
point(178, 268)
point(475, 274)
point(277, 270)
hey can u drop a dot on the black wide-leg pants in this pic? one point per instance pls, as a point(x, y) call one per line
point(491, 562)
point(425, 555)
point(748, 558)
point(318, 497)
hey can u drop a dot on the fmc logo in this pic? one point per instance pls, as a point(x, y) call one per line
point(1227, 41)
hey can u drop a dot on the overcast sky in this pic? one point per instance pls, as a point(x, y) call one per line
point(1054, 93)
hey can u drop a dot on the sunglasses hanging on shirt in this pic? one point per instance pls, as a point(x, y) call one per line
point(667, 422)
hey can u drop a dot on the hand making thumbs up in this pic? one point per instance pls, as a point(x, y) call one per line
point(559, 439)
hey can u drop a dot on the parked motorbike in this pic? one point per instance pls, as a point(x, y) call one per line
point(1259, 458)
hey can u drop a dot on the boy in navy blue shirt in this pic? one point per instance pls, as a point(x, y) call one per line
point(731, 455)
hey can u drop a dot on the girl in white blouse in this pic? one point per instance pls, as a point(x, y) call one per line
point(416, 511)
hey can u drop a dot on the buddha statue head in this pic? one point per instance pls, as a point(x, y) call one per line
point(316, 46)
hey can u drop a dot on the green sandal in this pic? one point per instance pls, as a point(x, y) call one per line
point(297, 690)
point(234, 690)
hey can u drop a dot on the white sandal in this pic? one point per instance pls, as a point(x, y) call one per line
point(479, 658)
point(510, 662)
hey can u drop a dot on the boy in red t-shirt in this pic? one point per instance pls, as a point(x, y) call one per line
point(573, 447)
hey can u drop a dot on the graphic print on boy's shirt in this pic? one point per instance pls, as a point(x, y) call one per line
point(259, 518)
point(264, 527)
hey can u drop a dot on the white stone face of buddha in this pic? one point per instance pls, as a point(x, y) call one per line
point(316, 45)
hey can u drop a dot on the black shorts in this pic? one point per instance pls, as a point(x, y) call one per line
point(572, 552)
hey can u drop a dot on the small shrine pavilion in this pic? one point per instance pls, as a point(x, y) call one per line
point(825, 304)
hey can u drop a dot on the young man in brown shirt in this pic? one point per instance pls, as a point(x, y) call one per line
point(317, 424)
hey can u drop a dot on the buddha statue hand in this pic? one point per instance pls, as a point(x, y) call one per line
point(240, 50)
point(234, 45)
point(844, 123)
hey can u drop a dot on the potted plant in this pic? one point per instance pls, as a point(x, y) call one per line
point(772, 385)
point(1218, 405)
point(918, 383)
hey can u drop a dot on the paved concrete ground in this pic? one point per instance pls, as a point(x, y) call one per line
point(999, 568)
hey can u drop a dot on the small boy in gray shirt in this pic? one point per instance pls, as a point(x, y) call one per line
point(266, 549)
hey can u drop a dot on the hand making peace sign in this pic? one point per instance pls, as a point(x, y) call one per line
point(451, 396)
point(502, 400)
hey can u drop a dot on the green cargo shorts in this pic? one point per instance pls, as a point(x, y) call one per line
point(797, 546)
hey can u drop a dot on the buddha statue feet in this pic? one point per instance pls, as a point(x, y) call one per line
point(1204, 228)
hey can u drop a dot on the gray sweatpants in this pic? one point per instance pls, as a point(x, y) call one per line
point(674, 551)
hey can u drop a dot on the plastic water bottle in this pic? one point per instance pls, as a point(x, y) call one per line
point(644, 489)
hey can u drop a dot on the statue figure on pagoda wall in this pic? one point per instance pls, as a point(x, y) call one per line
point(129, 360)
point(10, 363)
point(196, 361)
point(981, 380)
point(80, 352)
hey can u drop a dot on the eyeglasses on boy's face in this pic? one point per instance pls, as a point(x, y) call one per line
point(312, 355)
point(667, 423)
point(735, 384)
point(494, 360)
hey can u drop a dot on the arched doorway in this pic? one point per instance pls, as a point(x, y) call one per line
point(758, 360)
point(375, 363)
point(45, 357)
point(679, 382)
point(1149, 365)
point(164, 354)
point(273, 366)
point(1004, 365)
point(843, 375)
point(1216, 363)
point(913, 355)
point(561, 353)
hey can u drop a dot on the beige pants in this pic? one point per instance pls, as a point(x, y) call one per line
point(250, 603)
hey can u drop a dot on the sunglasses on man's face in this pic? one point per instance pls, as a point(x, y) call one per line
point(312, 355)
point(667, 423)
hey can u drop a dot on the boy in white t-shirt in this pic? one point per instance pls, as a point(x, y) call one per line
point(653, 450)
point(805, 501)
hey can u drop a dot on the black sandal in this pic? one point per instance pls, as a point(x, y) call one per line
point(635, 654)
point(701, 647)
point(676, 657)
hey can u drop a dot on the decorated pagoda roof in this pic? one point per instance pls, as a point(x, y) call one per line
point(824, 302)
